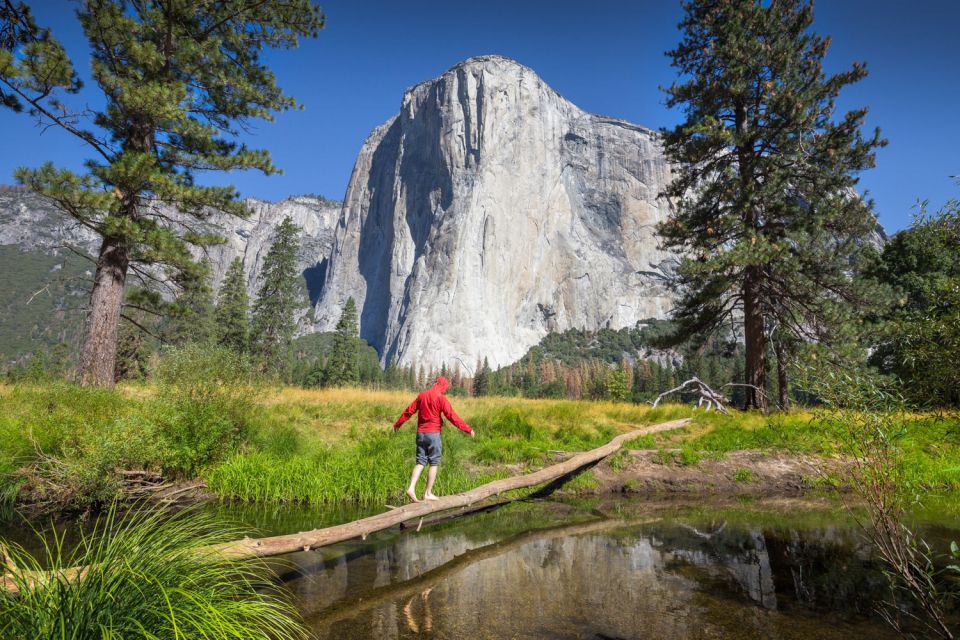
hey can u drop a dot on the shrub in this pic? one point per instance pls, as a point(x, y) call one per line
point(207, 395)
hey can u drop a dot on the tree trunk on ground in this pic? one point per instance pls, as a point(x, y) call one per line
point(756, 344)
point(98, 357)
point(783, 390)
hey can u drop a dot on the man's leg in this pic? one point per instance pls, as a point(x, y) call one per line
point(414, 477)
point(431, 478)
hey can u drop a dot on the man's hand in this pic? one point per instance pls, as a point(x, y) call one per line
point(473, 434)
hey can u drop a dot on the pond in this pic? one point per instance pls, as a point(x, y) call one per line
point(627, 568)
point(620, 568)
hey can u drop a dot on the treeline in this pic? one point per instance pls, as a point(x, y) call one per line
point(623, 365)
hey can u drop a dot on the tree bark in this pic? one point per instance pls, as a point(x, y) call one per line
point(756, 343)
point(783, 390)
point(753, 326)
point(99, 354)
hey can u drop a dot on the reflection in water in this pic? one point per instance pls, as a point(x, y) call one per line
point(412, 623)
point(598, 578)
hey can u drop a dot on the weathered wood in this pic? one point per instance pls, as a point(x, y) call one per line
point(279, 545)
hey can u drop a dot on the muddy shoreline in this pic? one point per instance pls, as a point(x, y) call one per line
point(757, 473)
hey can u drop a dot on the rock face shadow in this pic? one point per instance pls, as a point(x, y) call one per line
point(314, 277)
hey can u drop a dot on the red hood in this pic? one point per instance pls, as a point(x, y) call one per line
point(441, 384)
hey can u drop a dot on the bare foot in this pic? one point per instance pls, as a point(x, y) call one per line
point(412, 495)
point(430, 496)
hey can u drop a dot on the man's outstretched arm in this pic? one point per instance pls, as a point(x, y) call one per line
point(412, 409)
point(456, 420)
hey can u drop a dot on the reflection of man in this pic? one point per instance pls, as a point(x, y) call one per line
point(427, 617)
point(431, 407)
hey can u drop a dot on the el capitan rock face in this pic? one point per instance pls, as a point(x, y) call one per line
point(491, 211)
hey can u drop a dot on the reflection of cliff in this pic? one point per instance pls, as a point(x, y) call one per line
point(667, 581)
point(747, 564)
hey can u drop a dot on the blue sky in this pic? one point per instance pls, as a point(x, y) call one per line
point(606, 57)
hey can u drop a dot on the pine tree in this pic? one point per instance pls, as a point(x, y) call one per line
point(277, 300)
point(641, 380)
point(343, 366)
point(177, 79)
point(481, 378)
point(133, 352)
point(766, 212)
point(191, 313)
point(391, 375)
point(456, 379)
point(233, 326)
point(738, 397)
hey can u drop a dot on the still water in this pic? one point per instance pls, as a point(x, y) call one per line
point(625, 569)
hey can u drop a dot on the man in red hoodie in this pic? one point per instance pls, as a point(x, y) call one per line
point(431, 406)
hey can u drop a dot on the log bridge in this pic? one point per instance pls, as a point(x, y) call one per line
point(248, 548)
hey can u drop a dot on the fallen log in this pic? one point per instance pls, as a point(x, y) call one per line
point(279, 545)
point(304, 541)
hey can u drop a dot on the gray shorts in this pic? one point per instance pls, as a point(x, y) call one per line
point(428, 448)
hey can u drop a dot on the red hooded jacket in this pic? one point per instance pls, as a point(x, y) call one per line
point(431, 406)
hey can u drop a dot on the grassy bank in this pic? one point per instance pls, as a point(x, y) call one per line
point(67, 445)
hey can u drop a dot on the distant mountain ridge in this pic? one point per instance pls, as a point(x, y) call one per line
point(42, 249)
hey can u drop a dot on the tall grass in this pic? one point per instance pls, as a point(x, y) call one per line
point(366, 468)
point(146, 580)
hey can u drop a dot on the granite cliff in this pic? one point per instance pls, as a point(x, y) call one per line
point(491, 211)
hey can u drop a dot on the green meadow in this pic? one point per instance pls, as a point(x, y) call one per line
point(64, 448)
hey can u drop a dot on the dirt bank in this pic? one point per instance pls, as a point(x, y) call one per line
point(735, 473)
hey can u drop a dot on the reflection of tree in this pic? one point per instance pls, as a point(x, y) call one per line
point(821, 570)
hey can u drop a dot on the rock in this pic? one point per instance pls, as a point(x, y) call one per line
point(32, 223)
point(491, 211)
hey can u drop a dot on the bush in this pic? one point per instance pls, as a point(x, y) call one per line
point(207, 395)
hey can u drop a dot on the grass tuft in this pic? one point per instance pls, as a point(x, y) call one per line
point(146, 580)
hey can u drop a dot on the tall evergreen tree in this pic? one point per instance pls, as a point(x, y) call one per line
point(918, 339)
point(133, 352)
point(343, 366)
point(191, 315)
point(277, 300)
point(233, 326)
point(391, 375)
point(177, 78)
point(481, 378)
point(765, 208)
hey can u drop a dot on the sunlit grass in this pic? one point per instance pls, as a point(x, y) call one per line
point(336, 445)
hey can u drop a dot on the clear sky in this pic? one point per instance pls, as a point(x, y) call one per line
point(605, 56)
